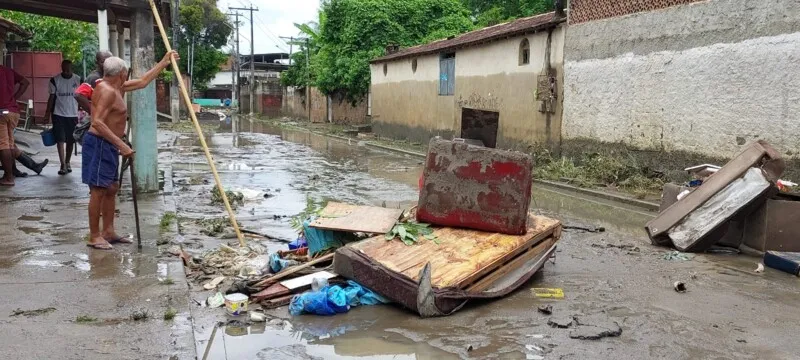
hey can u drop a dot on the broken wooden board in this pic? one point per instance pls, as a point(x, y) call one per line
point(355, 218)
point(463, 257)
point(277, 302)
point(305, 281)
point(272, 292)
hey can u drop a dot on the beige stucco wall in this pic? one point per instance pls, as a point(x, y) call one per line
point(406, 104)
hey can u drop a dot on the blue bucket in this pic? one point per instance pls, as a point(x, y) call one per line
point(48, 138)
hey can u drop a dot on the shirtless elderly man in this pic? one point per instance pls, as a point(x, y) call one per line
point(103, 144)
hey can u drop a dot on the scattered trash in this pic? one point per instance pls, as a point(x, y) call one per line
point(759, 268)
point(784, 185)
point(678, 256)
point(256, 316)
point(534, 348)
point(590, 229)
point(233, 261)
point(318, 283)
point(214, 283)
point(683, 194)
point(216, 300)
point(469, 348)
point(35, 312)
point(561, 322)
point(236, 304)
point(547, 293)
point(335, 299)
point(234, 198)
point(679, 286)
point(536, 336)
point(298, 243)
point(533, 357)
point(546, 309)
point(788, 262)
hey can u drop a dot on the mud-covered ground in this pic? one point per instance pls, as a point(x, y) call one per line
point(728, 312)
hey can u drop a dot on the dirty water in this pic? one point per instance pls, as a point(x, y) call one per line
point(728, 311)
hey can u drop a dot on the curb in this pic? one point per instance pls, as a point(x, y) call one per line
point(649, 206)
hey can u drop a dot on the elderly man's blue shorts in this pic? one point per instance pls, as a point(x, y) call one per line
point(100, 162)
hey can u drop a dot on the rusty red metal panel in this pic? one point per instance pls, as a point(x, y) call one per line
point(38, 68)
point(475, 187)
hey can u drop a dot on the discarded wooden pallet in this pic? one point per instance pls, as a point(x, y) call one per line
point(356, 218)
point(463, 259)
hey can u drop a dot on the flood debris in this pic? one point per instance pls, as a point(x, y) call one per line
point(216, 300)
point(677, 256)
point(546, 309)
point(679, 286)
point(596, 331)
point(788, 262)
point(718, 206)
point(140, 314)
point(230, 261)
point(211, 285)
point(235, 198)
point(561, 322)
point(34, 312)
point(548, 293)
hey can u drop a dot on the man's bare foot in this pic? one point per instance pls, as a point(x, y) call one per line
point(99, 243)
point(6, 182)
point(113, 238)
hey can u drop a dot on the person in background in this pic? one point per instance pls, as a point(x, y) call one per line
point(62, 108)
point(12, 86)
point(83, 95)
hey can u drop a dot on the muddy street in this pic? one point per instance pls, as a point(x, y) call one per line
point(611, 277)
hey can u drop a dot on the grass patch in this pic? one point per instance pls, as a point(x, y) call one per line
point(167, 281)
point(81, 319)
point(216, 226)
point(170, 314)
point(166, 220)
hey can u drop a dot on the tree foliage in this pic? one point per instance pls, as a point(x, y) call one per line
point(298, 73)
point(203, 22)
point(53, 34)
point(492, 12)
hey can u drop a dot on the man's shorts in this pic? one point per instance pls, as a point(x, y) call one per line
point(100, 162)
point(8, 123)
point(63, 127)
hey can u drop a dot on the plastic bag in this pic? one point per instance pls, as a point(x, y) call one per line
point(276, 264)
point(332, 300)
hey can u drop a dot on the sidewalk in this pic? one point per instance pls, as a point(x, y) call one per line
point(44, 263)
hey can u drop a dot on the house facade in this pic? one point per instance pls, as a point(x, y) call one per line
point(502, 85)
point(682, 77)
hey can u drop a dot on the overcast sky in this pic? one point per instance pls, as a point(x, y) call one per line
point(274, 18)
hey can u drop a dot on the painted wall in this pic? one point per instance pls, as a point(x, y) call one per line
point(701, 78)
point(406, 104)
point(343, 111)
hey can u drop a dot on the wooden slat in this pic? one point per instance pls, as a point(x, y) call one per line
point(354, 218)
point(274, 291)
point(277, 302)
point(487, 281)
point(462, 257)
point(293, 270)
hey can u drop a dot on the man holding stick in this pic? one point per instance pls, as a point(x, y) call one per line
point(103, 144)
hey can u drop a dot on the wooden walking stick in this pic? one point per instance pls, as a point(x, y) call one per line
point(188, 101)
point(135, 204)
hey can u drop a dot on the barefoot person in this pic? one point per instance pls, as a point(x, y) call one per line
point(12, 86)
point(103, 144)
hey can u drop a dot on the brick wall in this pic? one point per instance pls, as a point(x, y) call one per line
point(343, 111)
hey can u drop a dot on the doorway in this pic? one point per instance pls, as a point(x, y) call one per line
point(480, 125)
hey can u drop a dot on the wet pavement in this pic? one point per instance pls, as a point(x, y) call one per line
point(729, 312)
point(44, 264)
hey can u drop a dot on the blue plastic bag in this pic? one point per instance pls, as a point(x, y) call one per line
point(332, 300)
point(276, 264)
point(320, 240)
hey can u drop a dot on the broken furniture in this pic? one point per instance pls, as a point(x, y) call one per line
point(475, 187)
point(438, 279)
point(774, 225)
point(699, 220)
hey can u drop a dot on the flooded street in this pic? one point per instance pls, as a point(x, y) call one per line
point(729, 312)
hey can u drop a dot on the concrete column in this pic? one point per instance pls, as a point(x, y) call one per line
point(143, 102)
point(102, 29)
point(121, 41)
point(113, 37)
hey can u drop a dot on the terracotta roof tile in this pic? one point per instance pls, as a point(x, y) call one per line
point(516, 27)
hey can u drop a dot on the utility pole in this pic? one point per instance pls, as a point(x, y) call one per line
point(252, 58)
point(238, 95)
point(308, 82)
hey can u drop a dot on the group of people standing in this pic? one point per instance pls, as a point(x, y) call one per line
point(100, 98)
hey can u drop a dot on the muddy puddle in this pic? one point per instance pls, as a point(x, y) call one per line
point(614, 276)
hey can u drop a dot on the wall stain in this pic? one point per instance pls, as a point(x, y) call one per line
point(477, 101)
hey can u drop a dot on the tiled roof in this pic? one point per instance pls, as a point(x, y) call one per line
point(513, 28)
point(11, 26)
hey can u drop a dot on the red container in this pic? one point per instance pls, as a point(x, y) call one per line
point(38, 68)
point(475, 187)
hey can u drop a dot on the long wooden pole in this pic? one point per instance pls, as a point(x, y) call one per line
point(199, 130)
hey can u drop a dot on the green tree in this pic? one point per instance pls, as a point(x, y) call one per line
point(353, 32)
point(298, 73)
point(53, 34)
point(202, 22)
point(492, 12)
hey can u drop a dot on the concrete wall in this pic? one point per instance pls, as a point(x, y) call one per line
point(319, 106)
point(294, 103)
point(343, 111)
point(406, 104)
point(702, 78)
